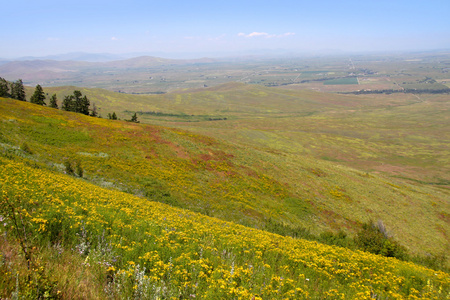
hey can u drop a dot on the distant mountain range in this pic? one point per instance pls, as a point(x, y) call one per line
point(46, 69)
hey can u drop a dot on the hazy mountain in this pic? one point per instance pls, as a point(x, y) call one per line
point(76, 56)
point(47, 71)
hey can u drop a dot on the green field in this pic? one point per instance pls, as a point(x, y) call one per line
point(101, 233)
point(241, 180)
point(347, 80)
point(304, 133)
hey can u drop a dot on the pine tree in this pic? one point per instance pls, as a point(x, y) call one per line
point(68, 103)
point(53, 101)
point(84, 107)
point(77, 101)
point(4, 88)
point(112, 116)
point(38, 97)
point(134, 118)
point(17, 90)
point(81, 104)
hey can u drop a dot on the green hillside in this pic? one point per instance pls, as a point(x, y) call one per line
point(296, 163)
point(74, 239)
point(302, 142)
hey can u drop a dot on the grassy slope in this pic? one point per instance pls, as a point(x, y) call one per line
point(244, 181)
point(90, 242)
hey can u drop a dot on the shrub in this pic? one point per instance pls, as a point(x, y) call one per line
point(374, 238)
point(79, 170)
point(69, 168)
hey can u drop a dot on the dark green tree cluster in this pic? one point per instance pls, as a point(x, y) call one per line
point(4, 88)
point(13, 90)
point(76, 103)
point(112, 116)
point(18, 90)
point(94, 112)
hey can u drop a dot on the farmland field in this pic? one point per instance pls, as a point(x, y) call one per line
point(149, 75)
point(346, 80)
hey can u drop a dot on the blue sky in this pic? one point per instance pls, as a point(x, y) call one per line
point(38, 28)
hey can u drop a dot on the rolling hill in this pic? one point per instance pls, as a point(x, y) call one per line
point(56, 69)
point(270, 159)
point(102, 233)
point(305, 159)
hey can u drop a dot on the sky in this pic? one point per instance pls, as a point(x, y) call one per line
point(48, 27)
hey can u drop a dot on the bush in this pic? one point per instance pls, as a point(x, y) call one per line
point(375, 238)
point(79, 170)
point(69, 168)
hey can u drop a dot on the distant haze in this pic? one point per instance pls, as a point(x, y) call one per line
point(182, 29)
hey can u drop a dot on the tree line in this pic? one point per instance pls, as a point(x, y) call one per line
point(77, 102)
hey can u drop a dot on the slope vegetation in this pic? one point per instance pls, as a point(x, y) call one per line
point(253, 186)
point(83, 241)
point(109, 225)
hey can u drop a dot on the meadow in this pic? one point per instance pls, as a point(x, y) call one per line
point(246, 175)
point(78, 240)
point(230, 190)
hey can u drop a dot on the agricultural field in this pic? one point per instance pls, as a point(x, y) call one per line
point(152, 75)
point(345, 80)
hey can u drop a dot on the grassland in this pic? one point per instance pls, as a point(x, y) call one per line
point(339, 173)
point(83, 241)
point(400, 134)
point(180, 205)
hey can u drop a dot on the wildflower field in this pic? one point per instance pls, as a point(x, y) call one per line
point(94, 208)
point(141, 249)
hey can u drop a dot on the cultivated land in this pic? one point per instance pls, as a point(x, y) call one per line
point(149, 75)
point(206, 160)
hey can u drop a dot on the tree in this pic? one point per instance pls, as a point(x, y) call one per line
point(81, 104)
point(84, 106)
point(4, 88)
point(76, 103)
point(38, 97)
point(134, 118)
point(68, 103)
point(17, 90)
point(53, 101)
point(112, 116)
point(79, 169)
